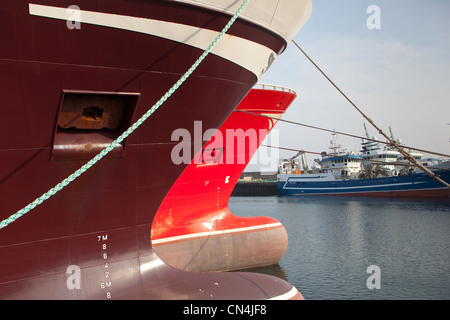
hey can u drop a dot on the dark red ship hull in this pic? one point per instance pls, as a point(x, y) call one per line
point(92, 239)
point(194, 228)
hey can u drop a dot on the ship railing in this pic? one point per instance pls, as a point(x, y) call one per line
point(265, 86)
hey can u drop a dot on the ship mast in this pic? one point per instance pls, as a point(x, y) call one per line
point(392, 134)
point(367, 132)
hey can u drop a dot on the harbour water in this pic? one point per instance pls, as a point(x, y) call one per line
point(334, 240)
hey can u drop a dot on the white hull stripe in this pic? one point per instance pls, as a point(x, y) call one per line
point(248, 54)
point(215, 233)
point(371, 191)
point(286, 296)
point(358, 187)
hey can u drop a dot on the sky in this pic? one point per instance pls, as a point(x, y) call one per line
point(398, 75)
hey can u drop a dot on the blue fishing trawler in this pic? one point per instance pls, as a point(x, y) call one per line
point(376, 172)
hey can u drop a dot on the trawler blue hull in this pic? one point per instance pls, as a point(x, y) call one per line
point(414, 185)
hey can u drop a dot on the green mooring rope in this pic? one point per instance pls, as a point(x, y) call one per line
point(124, 135)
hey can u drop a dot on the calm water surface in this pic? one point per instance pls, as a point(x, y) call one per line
point(333, 240)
